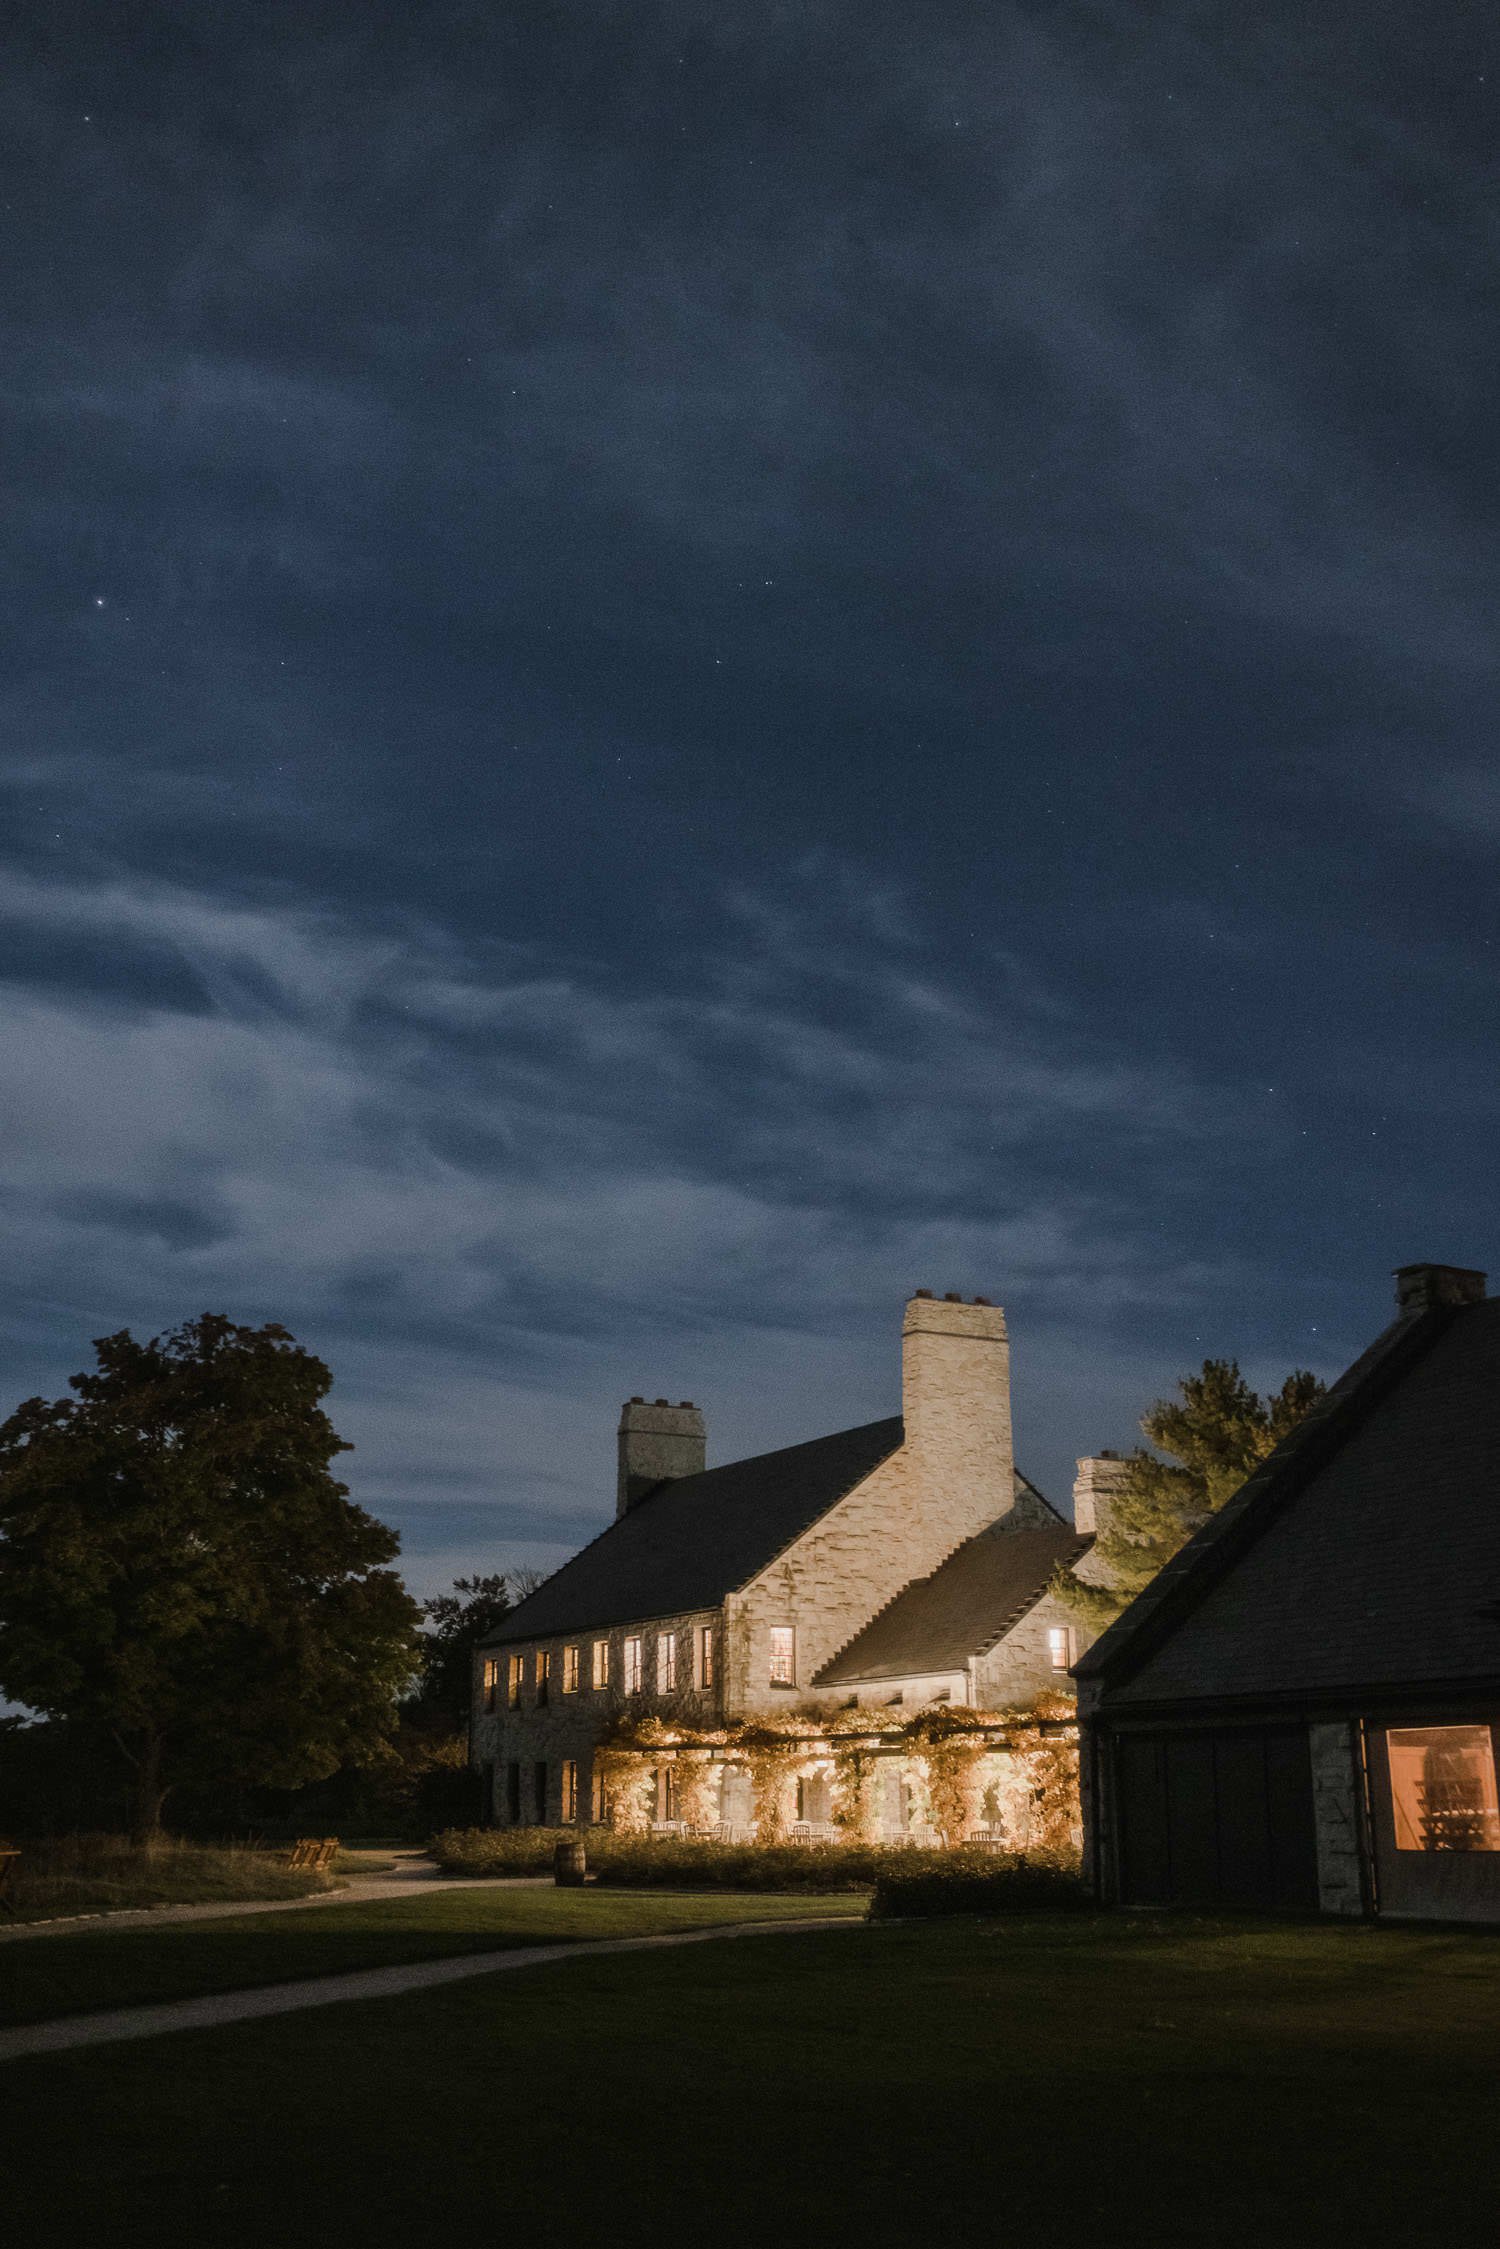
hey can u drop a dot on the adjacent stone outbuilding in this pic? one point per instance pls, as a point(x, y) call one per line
point(1301, 1711)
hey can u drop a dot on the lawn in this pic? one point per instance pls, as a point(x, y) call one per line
point(88, 1969)
point(1139, 2080)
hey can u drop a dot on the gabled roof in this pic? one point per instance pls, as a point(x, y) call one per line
point(970, 1601)
point(692, 1541)
point(1364, 1551)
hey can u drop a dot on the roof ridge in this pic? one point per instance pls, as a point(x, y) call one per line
point(1302, 1453)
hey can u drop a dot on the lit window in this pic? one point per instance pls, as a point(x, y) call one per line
point(1443, 1788)
point(569, 1791)
point(704, 1645)
point(543, 1674)
point(1060, 1647)
point(666, 1662)
point(783, 1656)
point(632, 1667)
point(491, 1681)
point(598, 1802)
point(570, 1671)
point(601, 1663)
point(513, 1684)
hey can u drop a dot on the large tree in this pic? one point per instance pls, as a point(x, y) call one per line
point(1215, 1431)
point(181, 1572)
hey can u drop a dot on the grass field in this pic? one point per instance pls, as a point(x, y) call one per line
point(90, 1969)
point(1142, 2081)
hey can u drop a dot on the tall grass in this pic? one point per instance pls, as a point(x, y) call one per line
point(69, 1874)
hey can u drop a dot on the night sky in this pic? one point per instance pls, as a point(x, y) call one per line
point(670, 669)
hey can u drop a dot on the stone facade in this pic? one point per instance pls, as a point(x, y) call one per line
point(1338, 1798)
point(951, 1477)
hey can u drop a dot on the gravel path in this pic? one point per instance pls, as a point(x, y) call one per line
point(218, 2008)
point(413, 1873)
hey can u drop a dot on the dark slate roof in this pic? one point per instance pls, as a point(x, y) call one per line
point(1365, 1552)
point(691, 1541)
point(970, 1601)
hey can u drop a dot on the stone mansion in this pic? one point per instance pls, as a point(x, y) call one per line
point(832, 1592)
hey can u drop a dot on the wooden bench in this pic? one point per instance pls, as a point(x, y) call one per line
point(313, 1854)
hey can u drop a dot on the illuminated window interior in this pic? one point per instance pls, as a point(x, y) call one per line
point(601, 1663)
point(543, 1674)
point(632, 1667)
point(491, 1681)
point(570, 1671)
point(1060, 1646)
point(783, 1671)
point(513, 1683)
point(666, 1662)
point(569, 1789)
point(705, 1663)
point(1443, 1788)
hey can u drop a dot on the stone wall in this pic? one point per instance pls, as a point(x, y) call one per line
point(1338, 1795)
point(567, 1726)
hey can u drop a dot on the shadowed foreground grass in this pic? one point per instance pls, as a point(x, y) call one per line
point(84, 1971)
point(1140, 2081)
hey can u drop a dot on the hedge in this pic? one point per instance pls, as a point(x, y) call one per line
point(672, 1862)
point(1012, 1885)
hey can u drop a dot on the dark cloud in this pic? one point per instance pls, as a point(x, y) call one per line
point(676, 667)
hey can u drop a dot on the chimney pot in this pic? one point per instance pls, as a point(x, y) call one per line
point(1423, 1288)
point(922, 1292)
point(951, 1296)
point(637, 1400)
point(981, 1300)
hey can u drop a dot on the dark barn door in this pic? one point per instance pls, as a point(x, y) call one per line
point(1215, 1818)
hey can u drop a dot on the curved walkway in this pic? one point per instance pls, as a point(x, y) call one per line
point(216, 2009)
point(414, 1873)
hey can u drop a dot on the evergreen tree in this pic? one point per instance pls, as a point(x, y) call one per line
point(1215, 1432)
point(182, 1576)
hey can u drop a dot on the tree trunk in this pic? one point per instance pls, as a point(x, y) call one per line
point(147, 1796)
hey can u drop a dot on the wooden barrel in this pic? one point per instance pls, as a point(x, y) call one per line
point(570, 1865)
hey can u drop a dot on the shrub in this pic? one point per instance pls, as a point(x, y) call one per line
point(682, 1863)
point(955, 1884)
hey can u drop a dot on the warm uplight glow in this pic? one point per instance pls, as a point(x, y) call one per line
point(1443, 1788)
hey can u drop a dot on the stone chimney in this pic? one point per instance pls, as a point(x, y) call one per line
point(1094, 1487)
point(955, 1396)
point(1422, 1288)
point(658, 1442)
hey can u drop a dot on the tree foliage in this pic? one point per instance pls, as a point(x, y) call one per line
point(1215, 1433)
point(182, 1574)
point(454, 1622)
